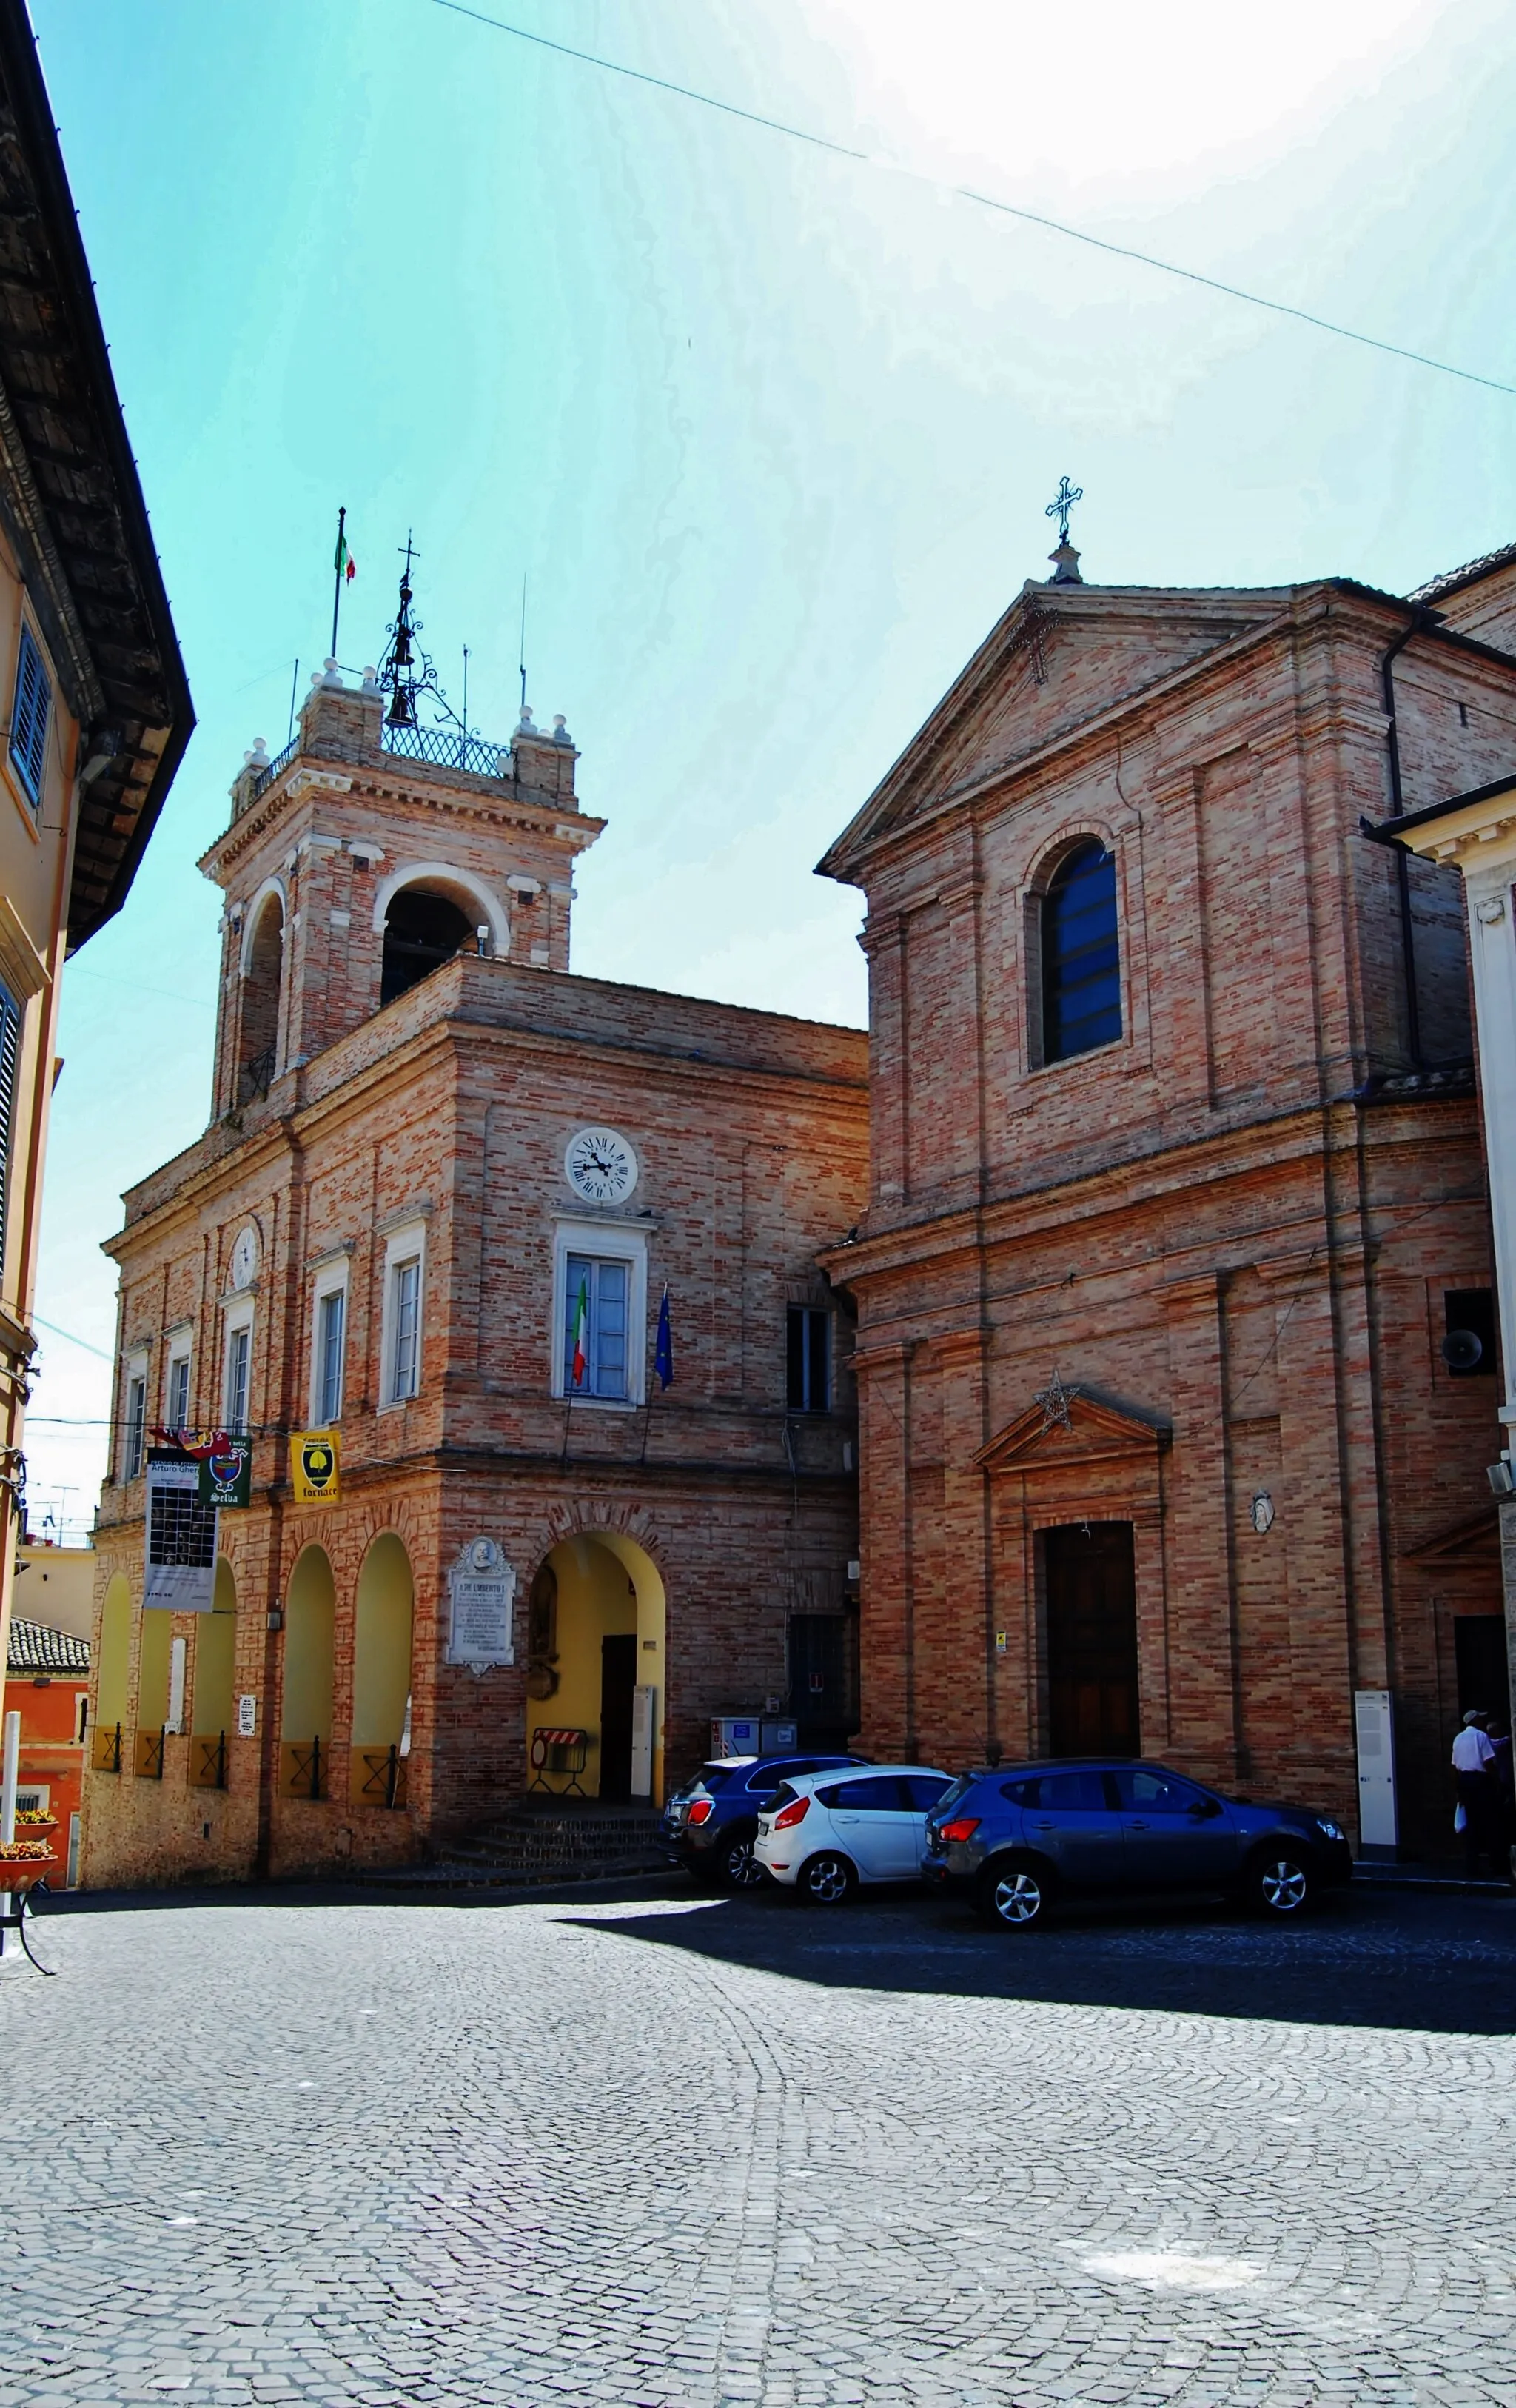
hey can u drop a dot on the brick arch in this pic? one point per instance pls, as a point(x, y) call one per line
point(579, 1521)
point(1056, 851)
point(443, 876)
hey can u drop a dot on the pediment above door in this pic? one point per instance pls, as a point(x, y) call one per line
point(1073, 1426)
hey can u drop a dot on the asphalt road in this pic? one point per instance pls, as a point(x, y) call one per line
point(637, 2149)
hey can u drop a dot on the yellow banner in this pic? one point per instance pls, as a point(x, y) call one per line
point(314, 1471)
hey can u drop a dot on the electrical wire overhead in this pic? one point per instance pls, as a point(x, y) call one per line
point(982, 200)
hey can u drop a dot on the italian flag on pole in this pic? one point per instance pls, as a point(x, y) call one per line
point(345, 565)
point(582, 1331)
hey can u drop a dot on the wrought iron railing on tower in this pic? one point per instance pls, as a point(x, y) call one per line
point(450, 749)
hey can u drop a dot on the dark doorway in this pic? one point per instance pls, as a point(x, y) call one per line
point(618, 1679)
point(823, 1677)
point(1091, 1588)
point(420, 932)
point(1478, 1641)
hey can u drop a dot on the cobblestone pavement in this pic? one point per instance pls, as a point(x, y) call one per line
point(642, 2147)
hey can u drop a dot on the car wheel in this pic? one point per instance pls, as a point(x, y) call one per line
point(1279, 1883)
point(1016, 1893)
point(737, 1867)
point(826, 1880)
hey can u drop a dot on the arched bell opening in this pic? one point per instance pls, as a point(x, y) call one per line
point(595, 1636)
point(262, 986)
point(422, 929)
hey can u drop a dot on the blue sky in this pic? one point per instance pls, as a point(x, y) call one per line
point(770, 433)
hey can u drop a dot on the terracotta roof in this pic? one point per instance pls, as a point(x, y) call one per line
point(34, 1648)
point(1453, 580)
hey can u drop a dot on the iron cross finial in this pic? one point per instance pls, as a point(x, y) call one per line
point(1061, 504)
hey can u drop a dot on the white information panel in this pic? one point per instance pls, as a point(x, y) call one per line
point(644, 1734)
point(1379, 1822)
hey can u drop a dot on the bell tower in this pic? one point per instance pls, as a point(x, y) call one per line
point(373, 849)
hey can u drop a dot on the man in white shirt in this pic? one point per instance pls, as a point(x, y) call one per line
point(1472, 1757)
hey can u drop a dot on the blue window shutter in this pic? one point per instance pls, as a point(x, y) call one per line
point(30, 715)
point(10, 1046)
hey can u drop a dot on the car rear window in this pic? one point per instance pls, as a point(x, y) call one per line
point(784, 1795)
point(924, 1790)
point(768, 1776)
point(715, 1776)
point(878, 1795)
point(956, 1789)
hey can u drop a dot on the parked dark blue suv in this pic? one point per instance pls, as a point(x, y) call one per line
point(712, 1822)
point(1014, 1839)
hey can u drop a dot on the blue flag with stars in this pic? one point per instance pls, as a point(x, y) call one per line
point(663, 1353)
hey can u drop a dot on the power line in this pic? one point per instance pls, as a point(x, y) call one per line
point(981, 200)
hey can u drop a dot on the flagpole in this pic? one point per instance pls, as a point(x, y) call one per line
point(337, 587)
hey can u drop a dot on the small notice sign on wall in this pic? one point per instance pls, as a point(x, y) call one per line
point(483, 1594)
point(246, 1717)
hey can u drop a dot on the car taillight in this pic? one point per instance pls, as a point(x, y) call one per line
point(788, 1817)
point(701, 1810)
point(963, 1826)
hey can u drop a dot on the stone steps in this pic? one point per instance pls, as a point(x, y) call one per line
point(532, 1843)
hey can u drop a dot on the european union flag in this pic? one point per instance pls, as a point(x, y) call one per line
point(663, 1353)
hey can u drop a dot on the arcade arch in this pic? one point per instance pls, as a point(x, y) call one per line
point(596, 1637)
point(309, 1633)
point(381, 1668)
point(213, 1705)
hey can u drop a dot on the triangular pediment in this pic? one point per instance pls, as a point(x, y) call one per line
point(1062, 656)
point(1069, 1426)
point(1474, 1539)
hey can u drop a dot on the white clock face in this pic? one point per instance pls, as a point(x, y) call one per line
point(245, 1258)
point(600, 1166)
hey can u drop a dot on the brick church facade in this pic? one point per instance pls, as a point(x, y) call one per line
point(1177, 1192)
point(428, 1140)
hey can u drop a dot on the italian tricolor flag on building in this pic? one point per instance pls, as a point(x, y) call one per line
point(345, 565)
point(582, 1332)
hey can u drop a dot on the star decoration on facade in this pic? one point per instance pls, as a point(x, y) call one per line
point(1055, 1400)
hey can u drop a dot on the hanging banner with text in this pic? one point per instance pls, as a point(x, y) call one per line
point(180, 1573)
point(315, 1466)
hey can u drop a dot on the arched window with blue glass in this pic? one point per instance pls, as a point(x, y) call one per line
point(1082, 966)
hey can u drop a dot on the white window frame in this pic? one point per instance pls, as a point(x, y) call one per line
point(238, 1317)
point(133, 1432)
point(178, 1347)
point(407, 1244)
point(331, 1279)
point(612, 1241)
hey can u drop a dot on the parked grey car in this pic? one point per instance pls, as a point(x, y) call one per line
point(1015, 1838)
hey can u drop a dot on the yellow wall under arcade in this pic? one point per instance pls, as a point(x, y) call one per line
point(606, 1585)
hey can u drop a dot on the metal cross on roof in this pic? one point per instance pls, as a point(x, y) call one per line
point(1055, 1400)
point(1062, 502)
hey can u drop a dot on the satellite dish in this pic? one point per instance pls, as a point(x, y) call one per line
point(1462, 1351)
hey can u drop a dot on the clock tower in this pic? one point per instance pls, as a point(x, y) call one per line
point(369, 852)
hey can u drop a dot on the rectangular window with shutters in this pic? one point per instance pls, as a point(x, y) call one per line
point(178, 1392)
point(597, 1294)
point(10, 1046)
point(406, 1317)
point(238, 1363)
point(29, 716)
point(809, 1360)
point(330, 1329)
point(137, 1423)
